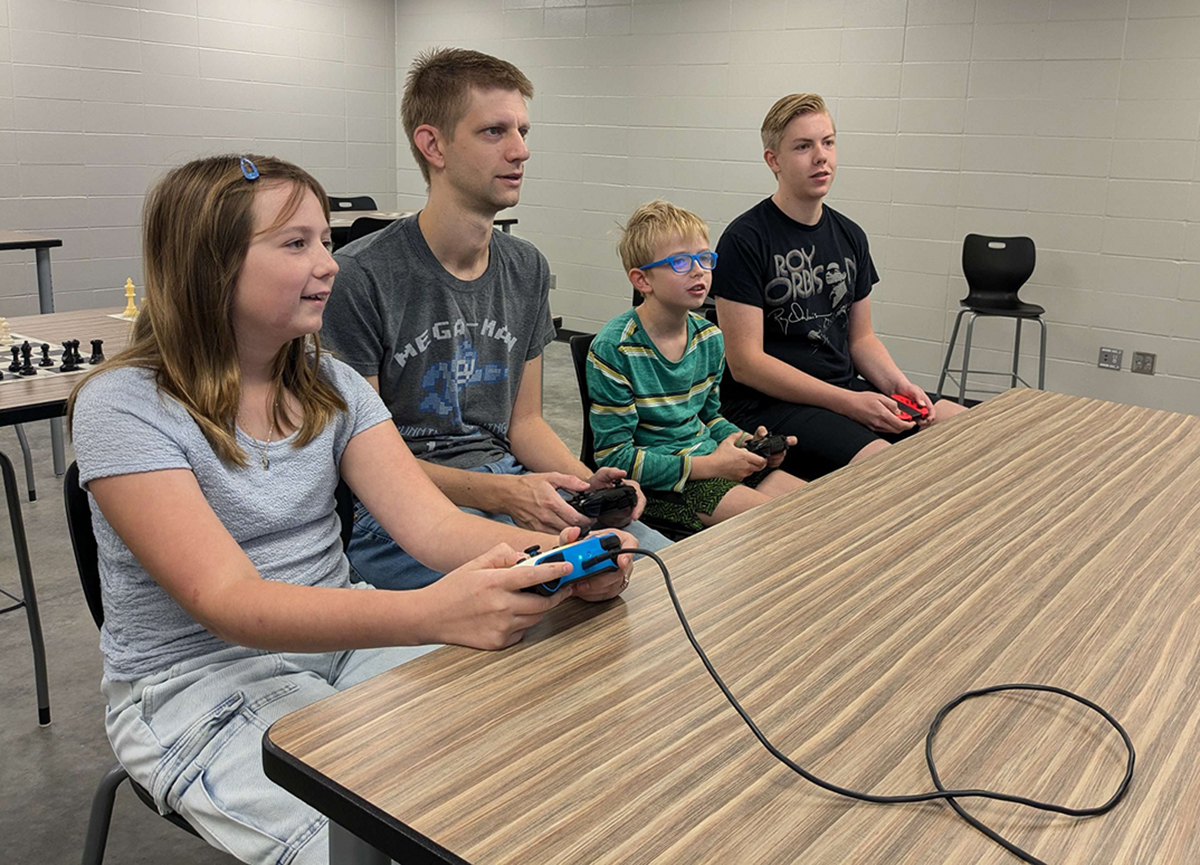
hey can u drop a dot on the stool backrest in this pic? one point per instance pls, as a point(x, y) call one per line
point(365, 225)
point(580, 345)
point(337, 203)
point(996, 267)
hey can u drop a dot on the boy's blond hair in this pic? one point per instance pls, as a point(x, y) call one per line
point(438, 86)
point(652, 223)
point(784, 111)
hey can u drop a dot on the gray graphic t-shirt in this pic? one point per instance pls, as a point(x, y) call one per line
point(449, 353)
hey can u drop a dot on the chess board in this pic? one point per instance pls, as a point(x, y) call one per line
point(56, 351)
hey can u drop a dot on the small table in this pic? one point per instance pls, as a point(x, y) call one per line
point(1020, 541)
point(41, 246)
point(41, 397)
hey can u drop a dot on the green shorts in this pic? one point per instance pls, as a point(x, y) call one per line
point(698, 497)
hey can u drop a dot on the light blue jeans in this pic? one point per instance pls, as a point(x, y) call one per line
point(192, 736)
point(384, 564)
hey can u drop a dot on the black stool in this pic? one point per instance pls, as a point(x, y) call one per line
point(995, 268)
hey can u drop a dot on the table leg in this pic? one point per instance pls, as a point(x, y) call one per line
point(346, 848)
point(45, 305)
point(29, 601)
point(45, 283)
point(57, 448)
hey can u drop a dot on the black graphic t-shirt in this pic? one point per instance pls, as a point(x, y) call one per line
point(804, 278)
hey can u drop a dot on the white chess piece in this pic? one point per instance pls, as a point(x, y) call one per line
point(5, 332)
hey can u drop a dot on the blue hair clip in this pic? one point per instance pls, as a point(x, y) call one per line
point(249, 169)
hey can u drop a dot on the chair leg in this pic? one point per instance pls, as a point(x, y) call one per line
point(1042, 356)
point(949, 351)
point(25, 453)
point(1016, 355)
point(101, 815)
point(962, 382)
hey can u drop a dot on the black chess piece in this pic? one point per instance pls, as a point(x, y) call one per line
point(45, 361)
point(68, 357)
point(78, 358)
point(15, 366)
point(97, 351)
point(27, 367)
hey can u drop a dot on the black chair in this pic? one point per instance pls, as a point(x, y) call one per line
point(581, 343)
point(354, 202)
point(83, 543)
point(995, 268)
point(365, 225)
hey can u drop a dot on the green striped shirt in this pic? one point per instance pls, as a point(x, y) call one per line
point(650, 416)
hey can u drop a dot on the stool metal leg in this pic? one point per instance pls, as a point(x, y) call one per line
point(21, 548)
point(1042, 362)
point(949, 351)
point(1016, 355)
point(57, 448)
point(101, 816)
point(28, 457)
point(962, 382)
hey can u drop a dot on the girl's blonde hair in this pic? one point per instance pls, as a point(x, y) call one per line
point(197, 225)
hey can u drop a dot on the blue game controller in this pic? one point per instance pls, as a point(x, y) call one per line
point(592, 555)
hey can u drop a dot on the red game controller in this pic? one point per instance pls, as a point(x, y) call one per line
point(908, 409)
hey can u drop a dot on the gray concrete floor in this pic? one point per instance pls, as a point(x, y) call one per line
point(48, 775)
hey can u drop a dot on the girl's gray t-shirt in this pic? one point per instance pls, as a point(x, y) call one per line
point(283, 517)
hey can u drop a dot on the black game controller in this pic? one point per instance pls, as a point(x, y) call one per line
point(609, 506)
point(767, 447)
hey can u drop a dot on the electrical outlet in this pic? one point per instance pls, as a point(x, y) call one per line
point(1143, 362)
point(1110, 358)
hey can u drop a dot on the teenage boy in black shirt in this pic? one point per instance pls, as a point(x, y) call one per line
point(793, 284)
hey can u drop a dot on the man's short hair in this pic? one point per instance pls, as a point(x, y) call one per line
point(437, 89)
point(784, 111)
point(651, 224)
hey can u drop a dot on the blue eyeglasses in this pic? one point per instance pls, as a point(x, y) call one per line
point(682, 262)
point(249, 169)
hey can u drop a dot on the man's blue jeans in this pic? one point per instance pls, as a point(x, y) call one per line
point(384, 564)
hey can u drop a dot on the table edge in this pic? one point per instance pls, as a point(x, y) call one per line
point(352, 812)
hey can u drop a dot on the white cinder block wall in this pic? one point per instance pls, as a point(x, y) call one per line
point(1073, 121)
point(98, 98)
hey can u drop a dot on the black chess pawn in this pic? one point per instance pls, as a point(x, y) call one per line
point(97, 351)
point(15, 366)
point(68, 357)
point(27, 367)
point(45, 361)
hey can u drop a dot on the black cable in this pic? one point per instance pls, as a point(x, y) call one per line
point(950, 796)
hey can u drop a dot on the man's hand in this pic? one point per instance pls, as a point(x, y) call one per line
point(605, 586)
point(608, 477)
point(534, 502)
point(876, 412)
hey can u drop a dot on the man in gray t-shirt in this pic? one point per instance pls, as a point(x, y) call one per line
point(448, 319)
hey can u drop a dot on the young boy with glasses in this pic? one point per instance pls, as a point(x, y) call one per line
point(653, 374)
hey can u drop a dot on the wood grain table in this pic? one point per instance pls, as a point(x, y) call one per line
point(38, 397)
point(1037, 538)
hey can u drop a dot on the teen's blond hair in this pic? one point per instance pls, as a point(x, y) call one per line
point(651, 224)
point(438, 86)
point(196, 229)
point(784, 111)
